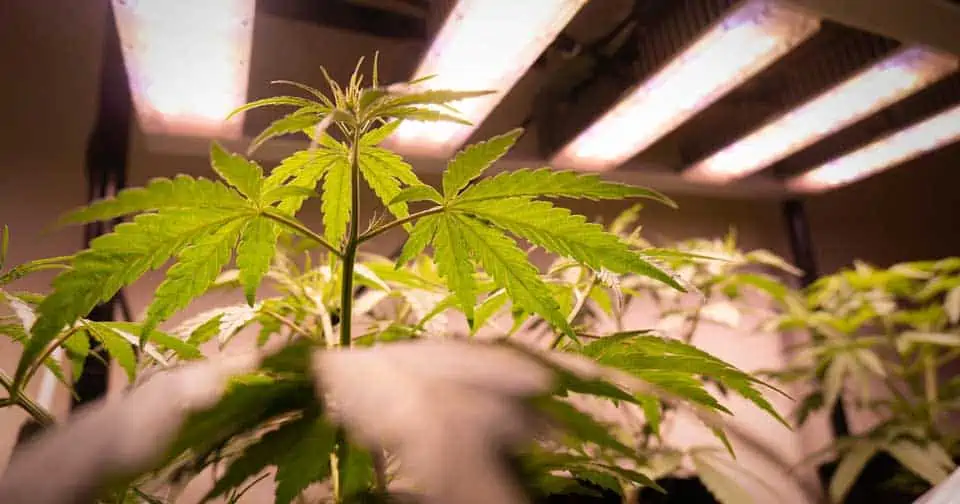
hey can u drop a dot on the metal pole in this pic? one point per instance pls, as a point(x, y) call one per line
point(801, 245)
point(106, 166)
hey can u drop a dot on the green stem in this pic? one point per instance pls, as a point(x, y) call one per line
point(41, 415)
point(930, 383)
point(289, 323)
point(399, 222)
point(346, 293)
point(577, 308)
point(32, 370)
point(300, 228)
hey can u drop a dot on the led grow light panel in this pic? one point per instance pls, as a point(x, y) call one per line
point(894, 78)
point(188, 62)
point(929, 135)
point(483, 45)
point(744, 42)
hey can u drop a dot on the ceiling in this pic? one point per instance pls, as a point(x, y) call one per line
point(608, 48)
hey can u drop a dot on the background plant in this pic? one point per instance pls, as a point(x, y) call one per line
point(272, 416)
point(884, 340)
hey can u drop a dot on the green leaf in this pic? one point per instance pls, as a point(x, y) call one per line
point(675, 366)
point(77, 348)
point(114, 261)
point(183, 349)
point(547, 183)
point(421, 235)
point(417, 193)
point(257, 247)
point(722, 485)
point(581, 425)
point(651, 411)
point(246, 176)
point(384, 185)
point(768, 258)
point(118, 347)
point(472, 161)
point(391, 164)
point(510, 268)
point(306, 459)
point(422, 114)
point(194, 273)
point(436, 97)
point(336, 200)
point(180, 193)
point(453, 261)
point(296, 448)
point(291, 123)
point(918, 460)
point(849, 470)
point(569, 235)
point(487, 309)
point(291, 101)
point(377, 135)
point(359, 469)
point(301, 169)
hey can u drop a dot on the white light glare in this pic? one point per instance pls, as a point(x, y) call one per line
point(746, 41)
point(483, 45)
point(188, 62)
point(887, 152)
point(893, 79)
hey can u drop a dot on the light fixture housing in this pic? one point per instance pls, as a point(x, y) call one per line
point(897, 148)
point(188, 63)
point(892, 79)
point(483, 45)
point(744, 42)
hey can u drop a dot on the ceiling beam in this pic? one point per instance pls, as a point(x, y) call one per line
point(933, 23)
point(349, 16)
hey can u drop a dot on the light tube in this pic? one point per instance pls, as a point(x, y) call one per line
point(188, 62)
point(904, 145)
point(894, 78)
point(743, 43)
point(483, 45)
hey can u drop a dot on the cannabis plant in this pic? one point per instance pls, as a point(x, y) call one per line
point(881, 342)
point(463, 421)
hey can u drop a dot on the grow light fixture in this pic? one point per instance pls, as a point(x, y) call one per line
point(187, 61)
point(746, 41)
point(929, 135)
point(483, 45)
point(892, 79)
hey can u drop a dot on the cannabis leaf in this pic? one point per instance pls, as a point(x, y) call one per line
point(472, 161)
point(676, 366)
point(297, 449)
point(548, 183)
point(561, 232)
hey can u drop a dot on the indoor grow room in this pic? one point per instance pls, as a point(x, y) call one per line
point(479, 251)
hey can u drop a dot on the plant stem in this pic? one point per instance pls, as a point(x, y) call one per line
point(36, 411)
point(289, 323)
point(32, 370)
point(577, 308)
point(346, 294)
point(297, 226)
point(930, 383)
point(399, 222)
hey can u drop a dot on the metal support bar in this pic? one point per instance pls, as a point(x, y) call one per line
point(106, 166)
point(801, 246)
point(930, 22)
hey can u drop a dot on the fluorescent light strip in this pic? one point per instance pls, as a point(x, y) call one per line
point(188, 62)
point(929, 135)
point(746, 41)
point(484, 45)
point(896, 77)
